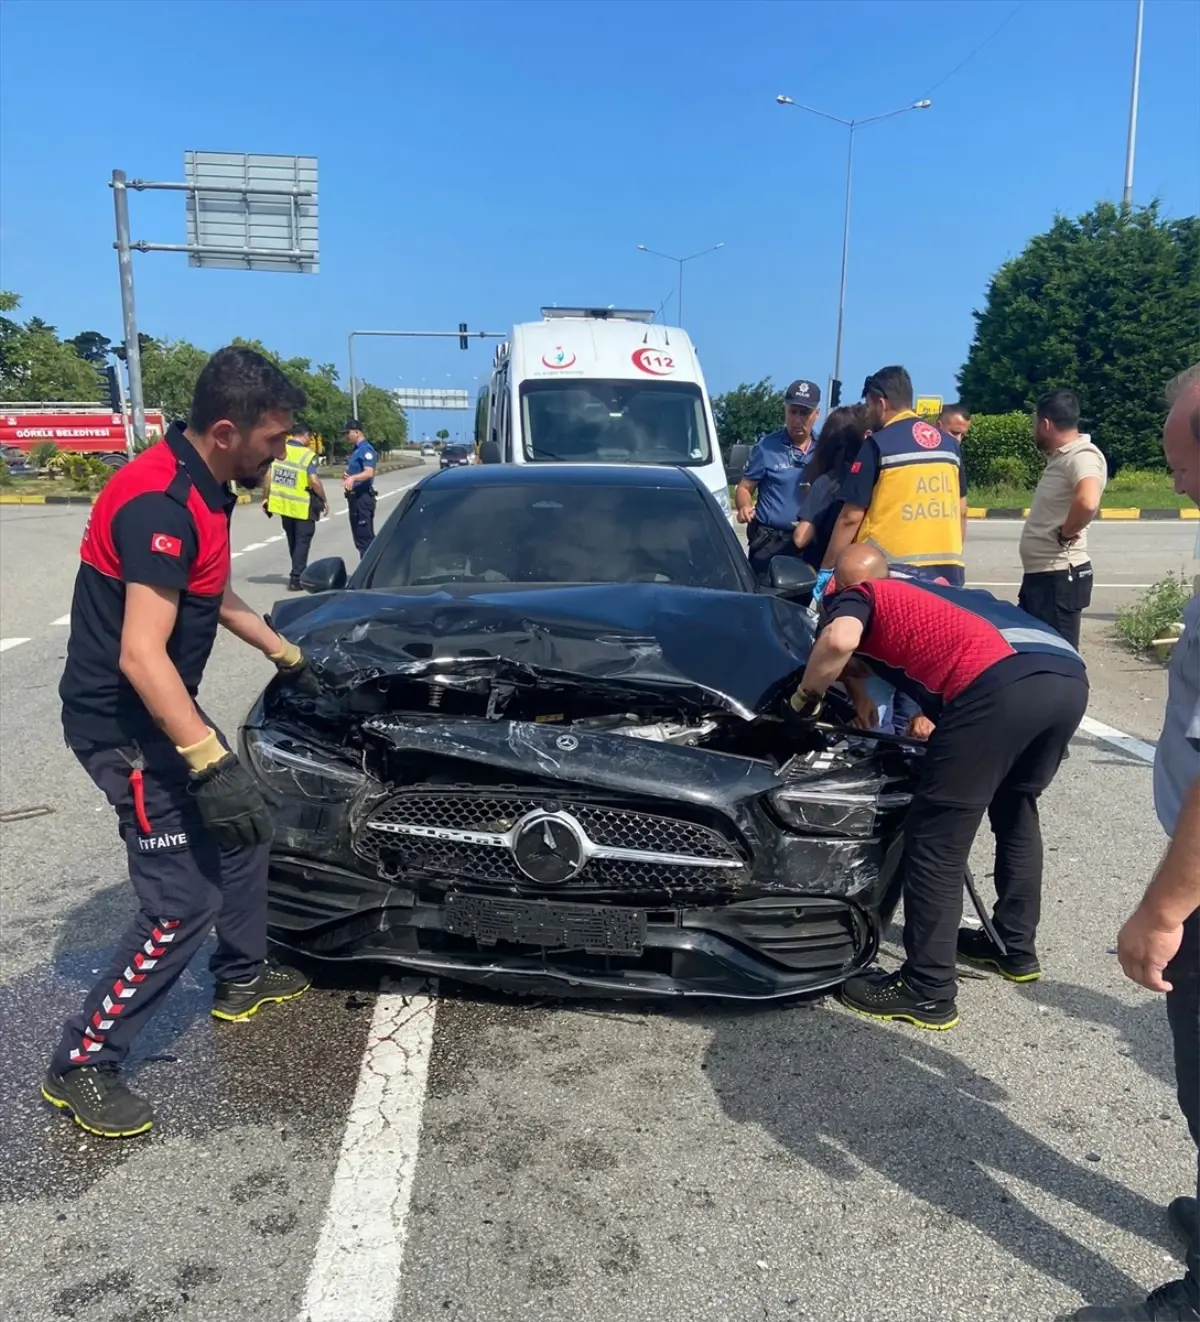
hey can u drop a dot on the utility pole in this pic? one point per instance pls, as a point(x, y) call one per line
point(133, 352)
point(1127, 196)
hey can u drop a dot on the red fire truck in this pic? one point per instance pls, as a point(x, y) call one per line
point(79, 428)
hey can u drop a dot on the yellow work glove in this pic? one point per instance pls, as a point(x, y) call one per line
point(293, 666)
point(207, 753)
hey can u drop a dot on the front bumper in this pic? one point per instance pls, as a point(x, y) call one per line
point(764, 948)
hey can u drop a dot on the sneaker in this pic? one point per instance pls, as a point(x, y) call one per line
point(887, 996)
point(1183, 1216)
point(294, 584)
point(1169, 1303)
point(98, 1100)
point(976, 947)
point(235, 1001)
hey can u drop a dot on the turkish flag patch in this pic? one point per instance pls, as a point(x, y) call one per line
point(166, 545)
point(856, 466)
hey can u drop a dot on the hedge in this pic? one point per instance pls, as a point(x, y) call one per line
point(999, 450)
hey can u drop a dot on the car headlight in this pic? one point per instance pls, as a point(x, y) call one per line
point(833, 811)
point(722, 495)
point(290, 767)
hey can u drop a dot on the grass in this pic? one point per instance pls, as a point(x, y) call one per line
point(1154, 612)
point(1131, 489)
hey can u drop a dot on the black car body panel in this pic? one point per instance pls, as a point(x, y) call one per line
point(573, 789)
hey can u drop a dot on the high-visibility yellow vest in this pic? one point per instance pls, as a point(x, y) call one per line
point(289, 494)
point(914, 516)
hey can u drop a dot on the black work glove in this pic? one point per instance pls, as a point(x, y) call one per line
point(295, 669)
point(231, 804)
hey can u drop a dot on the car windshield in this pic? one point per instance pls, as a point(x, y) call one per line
point(455, 451)
point(623, 422)
point(534, 533)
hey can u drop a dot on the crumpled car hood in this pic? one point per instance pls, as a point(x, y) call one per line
point(698, 647)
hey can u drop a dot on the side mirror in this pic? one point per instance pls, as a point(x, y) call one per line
point(489, 452)
point(328, 575)
point(739, 456)
point(790, 577)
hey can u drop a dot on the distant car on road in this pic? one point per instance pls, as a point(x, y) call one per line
point(455, 456)
point(427, 452)
point(549, 756)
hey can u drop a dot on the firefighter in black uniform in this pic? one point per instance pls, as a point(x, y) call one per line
point(152, 587)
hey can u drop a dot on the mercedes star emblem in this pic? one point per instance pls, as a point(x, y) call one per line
point(549, 849)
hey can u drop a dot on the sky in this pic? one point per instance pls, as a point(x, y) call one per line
point(478, 161)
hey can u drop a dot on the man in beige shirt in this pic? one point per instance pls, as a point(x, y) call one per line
point(1057, 582)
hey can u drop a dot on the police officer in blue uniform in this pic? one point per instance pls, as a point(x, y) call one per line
point(359, 486)
point(776, 471)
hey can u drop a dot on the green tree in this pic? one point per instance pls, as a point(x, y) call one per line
point(91, 346)
point(169, 372)
point(1105, 304)
point(745, 414)
point(36, 365)
point(382, 417)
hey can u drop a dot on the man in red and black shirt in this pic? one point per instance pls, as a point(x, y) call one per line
point(1005, 694)
point(153, 585)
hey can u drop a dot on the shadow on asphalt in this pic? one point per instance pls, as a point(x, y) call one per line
point(293, 1068)
point(859, 1095)
point(1142, 1026)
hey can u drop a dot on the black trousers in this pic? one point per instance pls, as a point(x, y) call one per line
point(362, 519)
point(993, 753)
point(1183, 1014)
point(184, 882)
point(763, 544)
point(299, 534)
point(1058, 598)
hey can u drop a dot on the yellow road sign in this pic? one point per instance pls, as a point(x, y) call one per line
point(928, 406)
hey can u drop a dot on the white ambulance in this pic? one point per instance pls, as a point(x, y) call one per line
point(605, 386)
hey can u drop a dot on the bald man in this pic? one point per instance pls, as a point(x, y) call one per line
point(1005, 693)
point(1159, 947)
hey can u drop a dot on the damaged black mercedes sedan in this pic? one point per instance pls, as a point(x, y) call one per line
point(549, 755)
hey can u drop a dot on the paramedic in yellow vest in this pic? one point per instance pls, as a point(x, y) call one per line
point(294, 492)
point(904, 493)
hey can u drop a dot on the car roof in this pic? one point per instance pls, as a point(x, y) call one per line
point(556, 475)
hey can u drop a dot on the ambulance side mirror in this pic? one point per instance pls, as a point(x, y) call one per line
point(489, 452)
point(328, 575)
point(739, 456)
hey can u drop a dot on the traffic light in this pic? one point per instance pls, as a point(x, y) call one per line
point(110, 387)
point(835, 393)
point(462, 334)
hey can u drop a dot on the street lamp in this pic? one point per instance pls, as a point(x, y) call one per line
point(703, 253)
point(851, 125)
point(1131, 143)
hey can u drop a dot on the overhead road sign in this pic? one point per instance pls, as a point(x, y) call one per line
point(245, 211)
point(431, 399)
point(252, 212)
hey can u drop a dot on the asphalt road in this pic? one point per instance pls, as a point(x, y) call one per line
point(581, 1162)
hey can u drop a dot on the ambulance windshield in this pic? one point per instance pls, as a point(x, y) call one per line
point(623, 422)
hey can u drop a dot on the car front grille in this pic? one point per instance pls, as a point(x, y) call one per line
point(466, 835)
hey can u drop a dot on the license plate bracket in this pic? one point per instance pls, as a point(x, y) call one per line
point(596, 929)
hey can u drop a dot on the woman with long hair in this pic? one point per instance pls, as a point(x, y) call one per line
point(837, 448)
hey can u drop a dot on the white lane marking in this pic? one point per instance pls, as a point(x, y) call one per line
point(356, 1268)
point(233, 555)
point(1125, 742)
point(62, 619)
point(254, 546)
point(277, 538)
point(6, 643)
